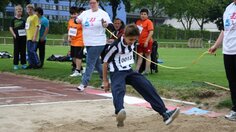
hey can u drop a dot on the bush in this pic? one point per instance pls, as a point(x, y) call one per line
point(169, 32)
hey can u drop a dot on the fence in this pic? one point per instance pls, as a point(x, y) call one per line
point(9, 40)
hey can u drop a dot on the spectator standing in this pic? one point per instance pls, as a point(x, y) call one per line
point(43, 31)
point(228, 38)
point(146, 28)
point(75, 38)
point(94, 22)
point(32, 33)
point(18, 32)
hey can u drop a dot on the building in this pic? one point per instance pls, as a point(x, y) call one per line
point(60, 11)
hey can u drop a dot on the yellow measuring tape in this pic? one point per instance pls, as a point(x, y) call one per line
point(168, 67)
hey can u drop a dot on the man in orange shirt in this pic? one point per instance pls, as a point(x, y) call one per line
point(75, 38)
point(146, 28)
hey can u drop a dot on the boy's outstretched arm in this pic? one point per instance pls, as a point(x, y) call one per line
point(105, 79)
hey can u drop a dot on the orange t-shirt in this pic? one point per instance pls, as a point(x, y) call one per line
point(144, 27)
point(75, 33)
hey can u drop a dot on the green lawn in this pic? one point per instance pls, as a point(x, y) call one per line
point(170, 83)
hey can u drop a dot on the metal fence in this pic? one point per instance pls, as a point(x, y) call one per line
point(9, 40)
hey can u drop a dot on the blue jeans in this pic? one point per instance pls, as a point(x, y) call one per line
point(119, 80)
point(33, 58)
point(92, 61)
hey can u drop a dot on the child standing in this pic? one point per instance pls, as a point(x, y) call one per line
point(32, 30)
point(75, 39)
point(119, 58)
point(146, 28)
point(18, 32)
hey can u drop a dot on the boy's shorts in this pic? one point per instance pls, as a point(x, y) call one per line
point(142, 49)
point(76, 52)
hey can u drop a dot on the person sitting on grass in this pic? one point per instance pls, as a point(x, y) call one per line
point(118, 59)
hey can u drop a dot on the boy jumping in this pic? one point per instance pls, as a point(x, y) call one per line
point(119, 59)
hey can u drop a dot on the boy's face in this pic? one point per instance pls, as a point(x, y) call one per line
point(117, 24)
point(19, 12)
point(30, 11)
point(129, 40)
point(143, 15)
point(74, 15)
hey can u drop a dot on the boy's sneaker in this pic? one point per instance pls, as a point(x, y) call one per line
point(15, 67)
point(76, 73)
point(24, 66)
point(169, 116)
point(120, 118)
point(231, 116)
point(81, 87)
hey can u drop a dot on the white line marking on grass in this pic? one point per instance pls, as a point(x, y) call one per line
point(52, 103)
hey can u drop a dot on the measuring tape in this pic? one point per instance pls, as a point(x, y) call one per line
point(168, 67)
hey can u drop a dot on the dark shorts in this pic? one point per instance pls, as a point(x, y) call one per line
point(76, 52)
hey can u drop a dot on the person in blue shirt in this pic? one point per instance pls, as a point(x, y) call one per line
point(44, 28)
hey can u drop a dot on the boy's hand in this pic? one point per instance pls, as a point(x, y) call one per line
point(106, 85)
point(145, 44)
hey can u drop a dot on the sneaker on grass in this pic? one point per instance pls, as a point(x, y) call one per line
point(231, 116)
point(169, 116)
point(76, 73)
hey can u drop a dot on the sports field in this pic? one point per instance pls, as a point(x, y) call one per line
point(86, 116)
point(185, 84)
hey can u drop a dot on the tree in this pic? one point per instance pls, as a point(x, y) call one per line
point(216, 12)
point(181, 10)
point(153, 5)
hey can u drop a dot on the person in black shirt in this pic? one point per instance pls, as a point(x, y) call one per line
point(119, 59)
point(18, 32)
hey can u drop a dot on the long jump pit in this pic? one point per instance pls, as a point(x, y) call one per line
point(30, 104)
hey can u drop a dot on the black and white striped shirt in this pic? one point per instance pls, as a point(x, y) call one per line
point(119, 56)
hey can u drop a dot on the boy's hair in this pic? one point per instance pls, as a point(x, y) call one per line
point(74, 10)
point(30, 6)
point(144, 10)
point(39, 10)
point(18, 7)
point(131, 30)
point(81, 9)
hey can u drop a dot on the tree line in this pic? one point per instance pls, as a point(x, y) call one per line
point(203, 11)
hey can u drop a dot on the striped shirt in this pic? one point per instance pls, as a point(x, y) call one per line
point(119, 56)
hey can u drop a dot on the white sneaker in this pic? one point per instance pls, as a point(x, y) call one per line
point(75, 74)
point(231, 116)
point(121, 116)
point(81, 87)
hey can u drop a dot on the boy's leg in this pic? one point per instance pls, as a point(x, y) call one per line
point(146, 89)
point(118, 90)
point(16, 51)
point(29, 51)
point(23, 50)
point(41, 47)
point(35, 57)
point(148, 63)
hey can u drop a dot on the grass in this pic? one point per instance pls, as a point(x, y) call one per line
point(169, 83)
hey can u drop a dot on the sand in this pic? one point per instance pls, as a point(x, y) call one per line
point(98, 116)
